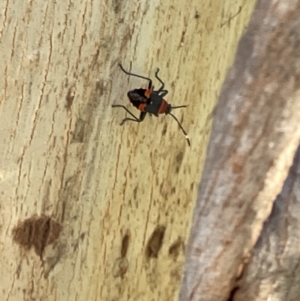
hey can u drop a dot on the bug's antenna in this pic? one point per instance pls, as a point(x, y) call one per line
point(184, 132)
point(133, 74)
point(177, 107)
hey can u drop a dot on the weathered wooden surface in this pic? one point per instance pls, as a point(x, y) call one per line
point(119, 193)
point(254, 138)
point(273, 271)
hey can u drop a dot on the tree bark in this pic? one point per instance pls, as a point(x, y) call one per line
point(273, 270)
point(254, 139)
point(90, 210)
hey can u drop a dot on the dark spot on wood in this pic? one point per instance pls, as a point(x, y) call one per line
point(182, 37)
point(197, 251)
point(37, 232)
point(155, 242)
point(82, 236)
point(70, 98)
point(54, 259)
point(156, 181)
point(75, 246)
point(179, 159)
point(161, 187)
point(78, 134)
point(238, 166)
point(158, 52)
point(164, 131)
point(125, 244)
point(117, 6)
point(173, 190)
point(175, 248)
point(197, 15)
point(96, 57)
point(120, 267)
point(176, 274)
point(232, 293)
point(100, 86)
point(134, 192)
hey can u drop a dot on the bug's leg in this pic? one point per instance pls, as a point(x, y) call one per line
point(163, 93)
point(136, 75)
point(156, 75)
point(161, 89)
point(121, 106)
point(129, 119)
point(142, 115)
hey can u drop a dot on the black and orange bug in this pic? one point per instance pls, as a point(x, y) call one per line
point(149, 101)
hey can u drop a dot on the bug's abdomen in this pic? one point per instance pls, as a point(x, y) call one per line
point(137, 98)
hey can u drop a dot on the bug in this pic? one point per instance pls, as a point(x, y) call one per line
point(149, 101)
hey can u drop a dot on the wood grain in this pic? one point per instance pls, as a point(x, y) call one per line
point(63, 154)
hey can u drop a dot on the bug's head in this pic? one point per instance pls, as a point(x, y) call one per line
point(168, 109)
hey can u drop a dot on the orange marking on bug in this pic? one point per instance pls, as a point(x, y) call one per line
point(163, 107)
point(142, 107)
point(148, 93)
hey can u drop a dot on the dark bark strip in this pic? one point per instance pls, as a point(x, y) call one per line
point(254, 138)
point(274, 269)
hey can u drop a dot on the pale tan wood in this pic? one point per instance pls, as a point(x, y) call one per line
point(64, 155)
point(254, 139)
